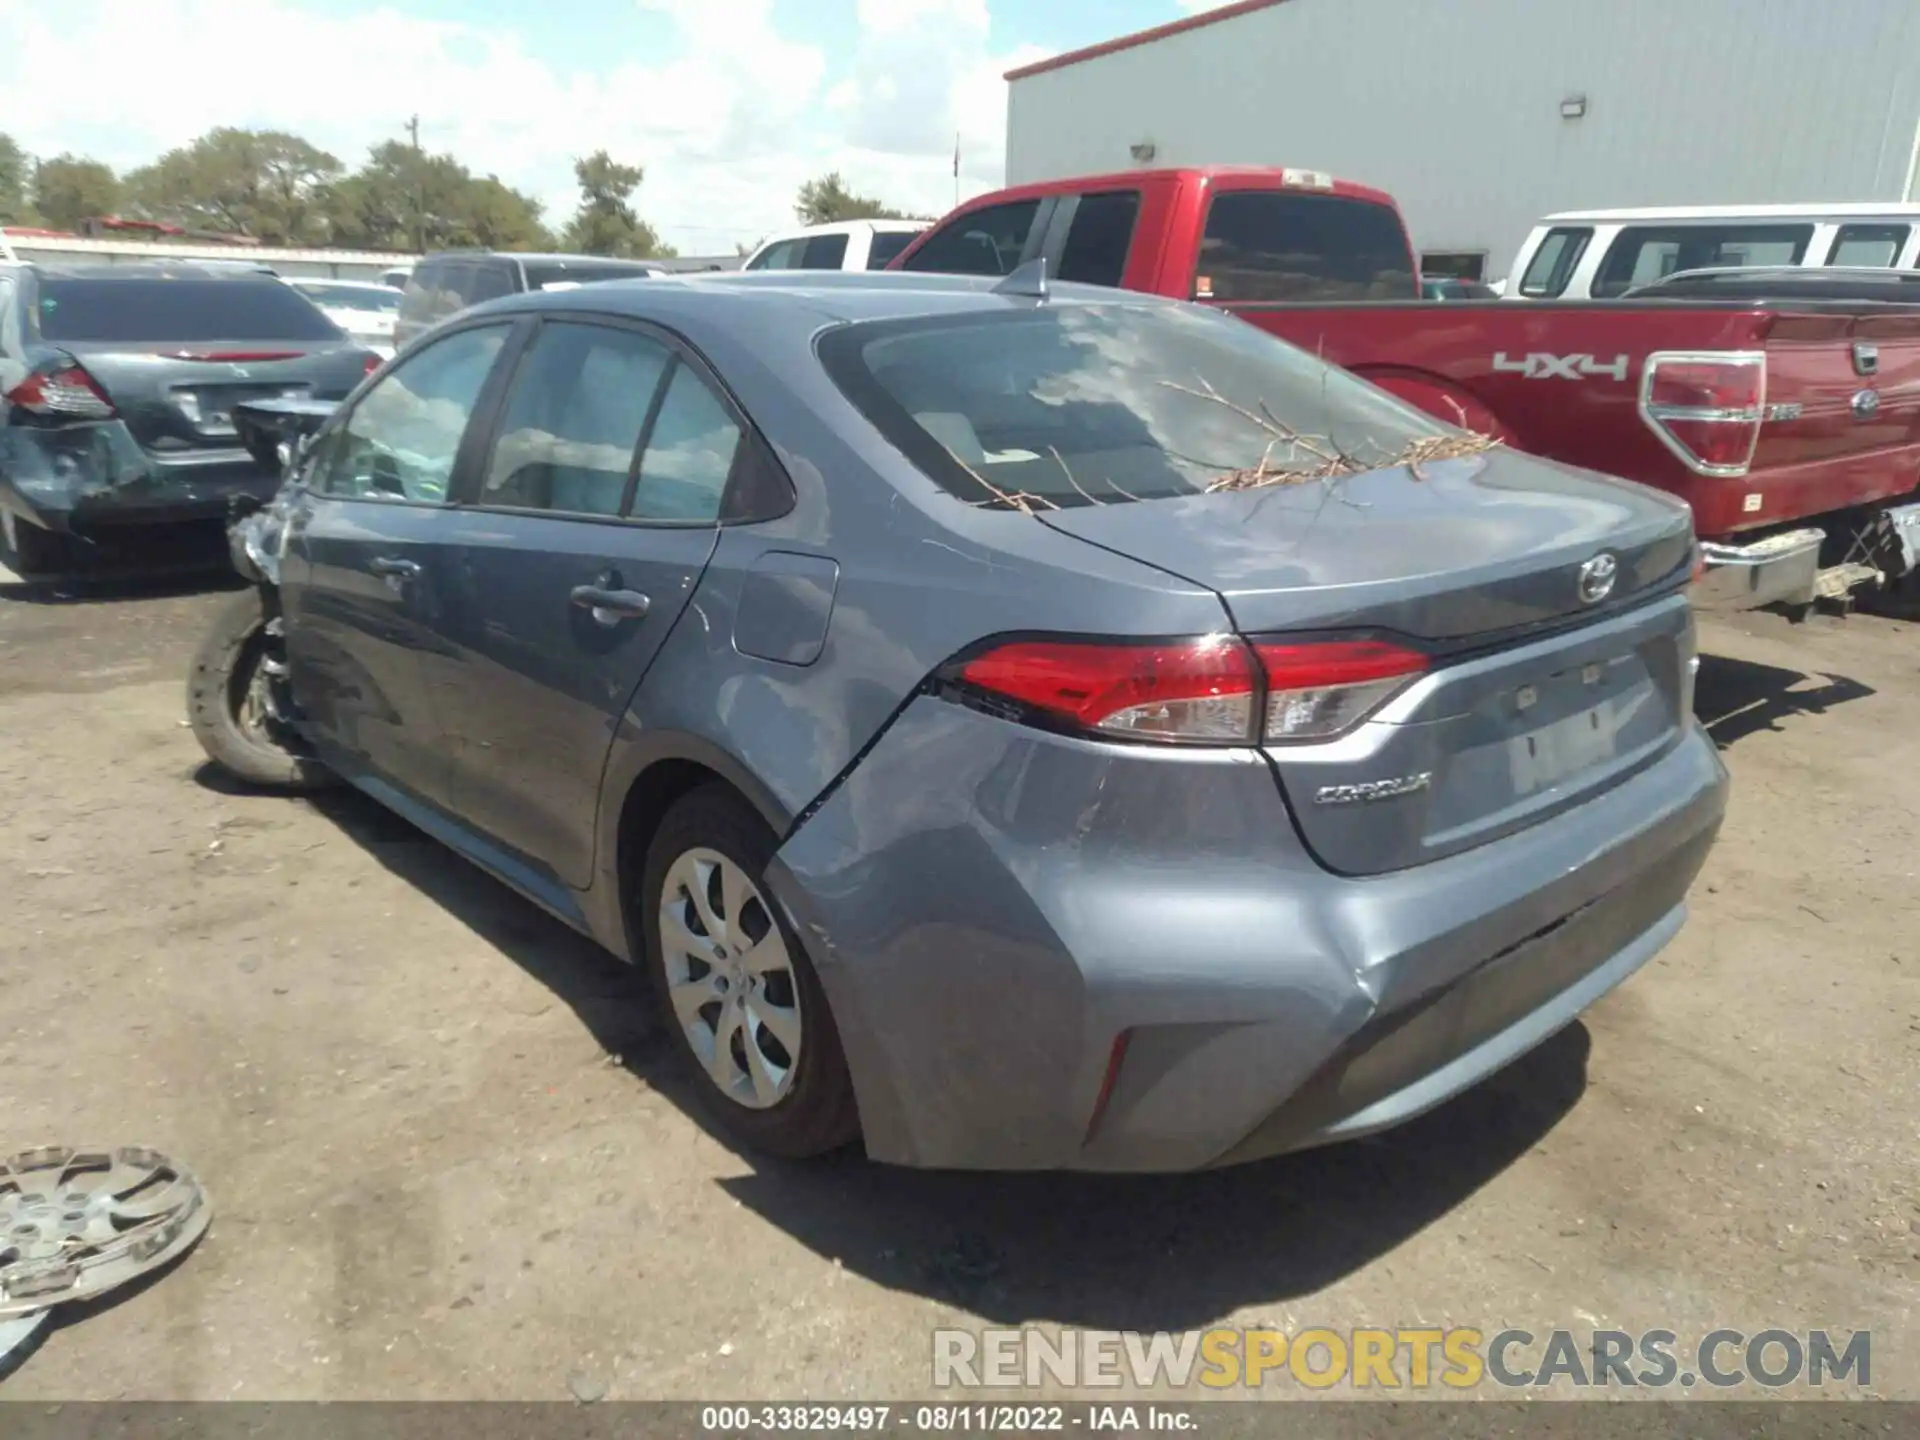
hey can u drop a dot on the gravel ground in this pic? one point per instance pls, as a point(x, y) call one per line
point(450, 1160)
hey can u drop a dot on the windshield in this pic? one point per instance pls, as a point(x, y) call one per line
point(379, 301)
point(1100, 404)
point(142, 312)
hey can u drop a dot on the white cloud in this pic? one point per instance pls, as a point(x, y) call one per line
point(728, 126)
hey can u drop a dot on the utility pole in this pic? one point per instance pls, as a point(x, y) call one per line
point(419, 189)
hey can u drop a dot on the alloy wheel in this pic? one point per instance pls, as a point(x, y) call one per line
point(730, 979)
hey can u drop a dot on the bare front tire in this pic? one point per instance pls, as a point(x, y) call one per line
point(737, 993)
point(231, 709)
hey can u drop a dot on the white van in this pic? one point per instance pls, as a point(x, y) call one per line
point(846, 245)
point(1599, 254)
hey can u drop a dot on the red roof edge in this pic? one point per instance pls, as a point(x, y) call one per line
point(1142, 37)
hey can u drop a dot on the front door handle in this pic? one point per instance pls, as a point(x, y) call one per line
point(396, 569)
point(610, 607)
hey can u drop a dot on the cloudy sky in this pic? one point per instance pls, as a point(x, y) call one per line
point(729, 104)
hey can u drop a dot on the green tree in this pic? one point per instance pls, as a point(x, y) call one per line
point(605, 223)
point(403, 199)
point(70, 188)
point(263, 183)
point(827, 199)
point(16, 174)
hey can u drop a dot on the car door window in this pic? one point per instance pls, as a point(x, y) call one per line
point(983, 242)
point(1553, 263)
point(1875, 245)
point(689, 454)
point(1099, 237)
point(579, 400)
point(825, 252)
point(886, 245)
point(1643, 254)
point(401, 440)
point(783, 256)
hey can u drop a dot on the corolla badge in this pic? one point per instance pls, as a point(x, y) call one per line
point(1596, 578)
point(1373, 790)
point(1866, 403)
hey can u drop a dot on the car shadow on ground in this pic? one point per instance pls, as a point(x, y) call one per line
point(1111, 1252)
point(1737, 698)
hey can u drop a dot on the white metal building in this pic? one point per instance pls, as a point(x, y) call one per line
point(1480, 116)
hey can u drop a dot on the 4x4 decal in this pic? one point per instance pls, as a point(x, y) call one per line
point(1561, 367)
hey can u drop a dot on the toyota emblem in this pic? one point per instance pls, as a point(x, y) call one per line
point(1596, 579)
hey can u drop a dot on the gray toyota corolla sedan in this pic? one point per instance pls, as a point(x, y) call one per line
point(1021, 728)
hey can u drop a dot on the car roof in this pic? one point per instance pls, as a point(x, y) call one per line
point(239, 270)
point(804, 300)
point(1851, 210)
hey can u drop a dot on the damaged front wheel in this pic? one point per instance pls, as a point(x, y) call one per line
point(235, 700)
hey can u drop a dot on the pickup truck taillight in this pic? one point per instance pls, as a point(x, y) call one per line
point(1707, 407)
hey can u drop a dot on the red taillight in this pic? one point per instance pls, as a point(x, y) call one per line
point(1209, 690)
point(1318, 690)
point(65, 393)
point(1707, 408)
point(1189, 690)
point(373, 363)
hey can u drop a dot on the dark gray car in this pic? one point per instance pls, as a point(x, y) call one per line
point(998, 738)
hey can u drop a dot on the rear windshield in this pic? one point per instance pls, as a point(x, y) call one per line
point(1104, 404)
point(547, 272)
point(1301, 249)
point(380, 301)
point(143, 312)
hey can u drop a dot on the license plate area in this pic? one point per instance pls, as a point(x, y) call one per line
point(1574, 722)
point(209, 408)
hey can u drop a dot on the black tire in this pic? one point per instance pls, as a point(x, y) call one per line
point(31, 552)
point(1898, 601)
point(818, 1113)
point(216, 689)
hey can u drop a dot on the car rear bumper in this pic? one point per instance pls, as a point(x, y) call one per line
point(88, 477)
point(996, 914)
point(1781, 569)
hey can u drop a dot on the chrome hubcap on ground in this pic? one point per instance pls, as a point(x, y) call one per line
point(730, 978)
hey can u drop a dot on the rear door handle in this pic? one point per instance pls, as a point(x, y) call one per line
point(610, 607)
point(398, 569)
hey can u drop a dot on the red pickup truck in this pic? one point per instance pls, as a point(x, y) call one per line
point(1792, 429)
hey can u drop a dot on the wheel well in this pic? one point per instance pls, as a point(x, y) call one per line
point(648, 800)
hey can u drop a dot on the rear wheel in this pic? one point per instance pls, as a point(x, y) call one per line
point(31, 552)
point(735, 990)
point(231, 706)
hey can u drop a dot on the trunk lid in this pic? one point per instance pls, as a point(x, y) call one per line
point(178, 399)
point(1539, 694)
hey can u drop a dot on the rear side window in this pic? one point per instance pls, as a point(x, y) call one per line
point(983, 242)
point(431, 294)
point(146, 311)
point(1645, 253)
point(1554, 262)
point(1099, 237)
point(489, 280)
point(887, 245)
point(824, 252)
point(580, 399)
point(1269, 245)
point(1875, 245)
point(1109, 403)
point(689, 454)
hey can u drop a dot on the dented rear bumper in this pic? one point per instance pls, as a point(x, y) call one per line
point(78, 478)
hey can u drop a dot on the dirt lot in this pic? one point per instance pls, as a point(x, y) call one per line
point(449, 1161)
